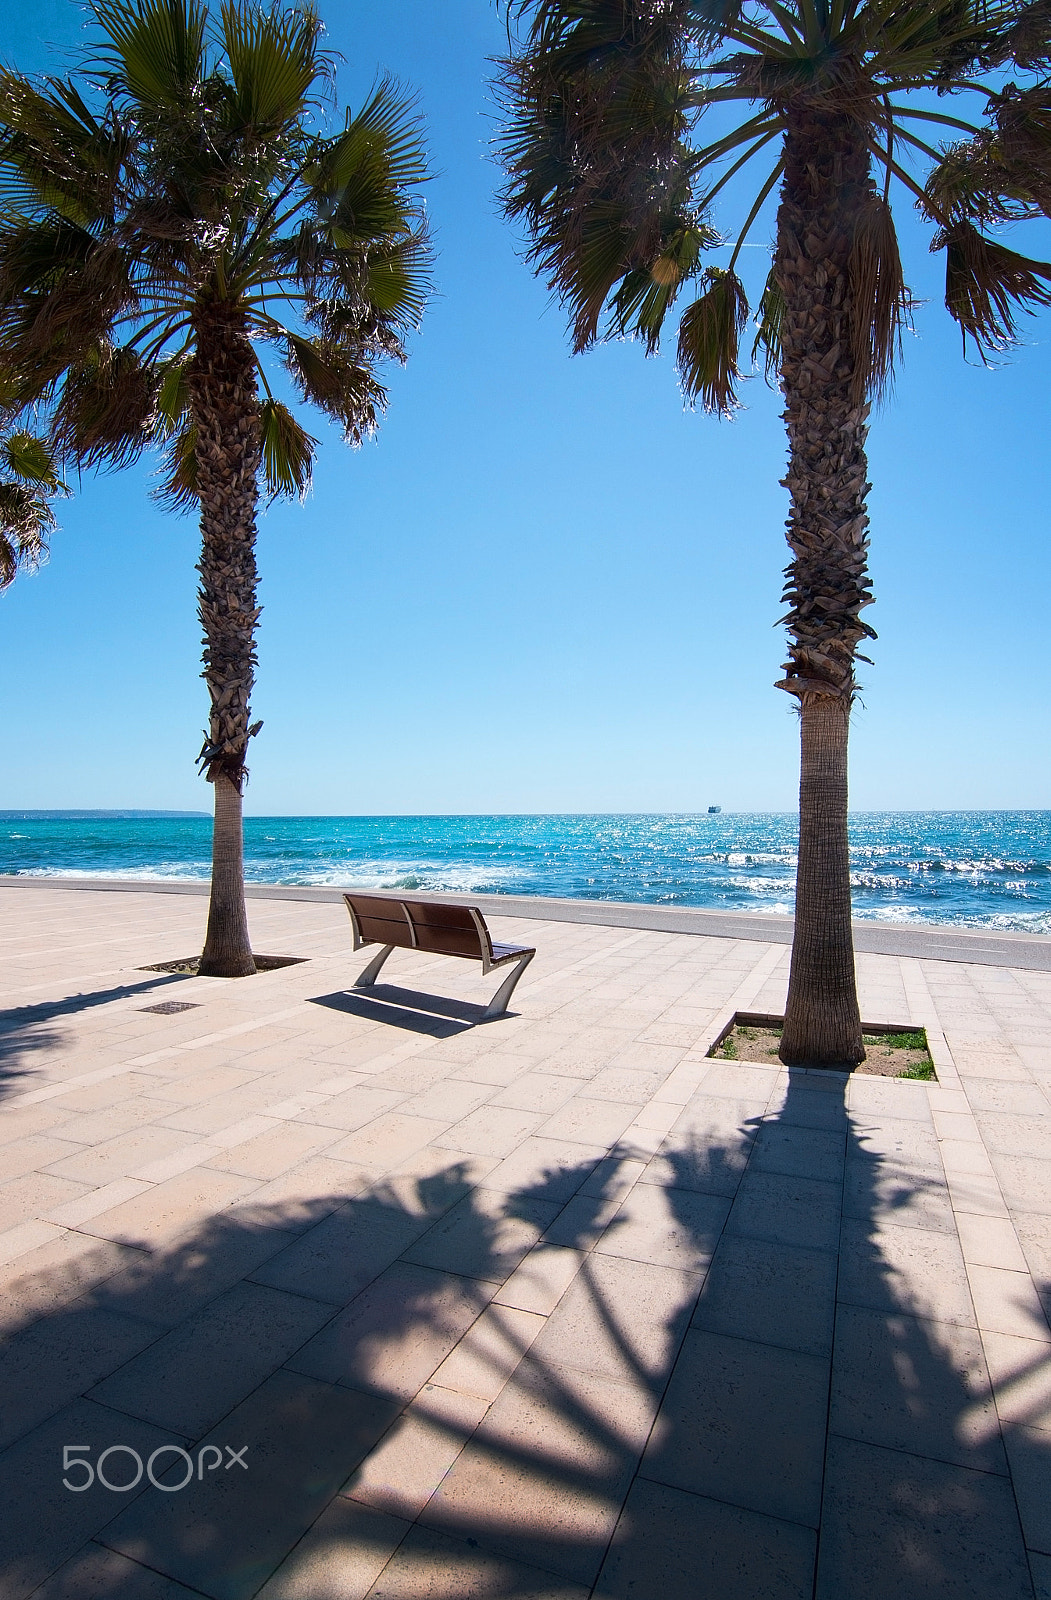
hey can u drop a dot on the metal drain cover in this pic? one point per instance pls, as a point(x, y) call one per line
point(168, 1007)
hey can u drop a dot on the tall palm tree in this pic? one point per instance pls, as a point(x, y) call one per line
point(167, 216)
point(625, 121)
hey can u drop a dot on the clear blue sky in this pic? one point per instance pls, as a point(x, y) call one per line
point(546, 585)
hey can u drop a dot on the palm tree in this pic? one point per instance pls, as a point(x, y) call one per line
point(28, 482)
point(607, 102)
point(167, 216)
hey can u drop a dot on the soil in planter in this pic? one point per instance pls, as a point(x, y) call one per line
point(887, 1055)
point(187, 967)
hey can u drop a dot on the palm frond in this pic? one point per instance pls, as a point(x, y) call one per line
point(339, 382)
point(880, 300)
point(288, 451)
point(177, 490)
point(31, 460)
point(155, 50)
point(26, 520)
point(709, 337)
point(987, 285)
point(107, 409)
point(274, 62)
point(769, 323)
point(598, 109)
point(362, 182)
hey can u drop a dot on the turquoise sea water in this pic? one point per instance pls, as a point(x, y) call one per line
point(980, 868)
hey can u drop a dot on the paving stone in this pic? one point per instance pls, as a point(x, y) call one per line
point(45, 1523)
point(48, 1364)
point(621, 1320)
point(884, 1192)
point(913, 1385)
point(489, 1131)
point(34, 1152)
point(590, 1121)
point(541, 1279)
point(687, 1159)
point(485, 1235)
point(798, 1151)
point(123, 1156)
point(666, 1227)
point(34, 1195)
point(342, 1254)
point(1029, 1454)
point(340, 1557)
point(889, 1268)
point(907, 1526)
point(53, 1275)
point(1020, 1370)
point(411, 1460)
point(1040, 1567)
point(783, 1210)
point(489, 1352)
point(1016, 1134)
point(1007, 1302)
point(396, 1332)
point(684, 1547)
point(433, 1565)
point(897, 1141)
point(318, 1181)
point(744, 1423)
point(990, 1242)
point(226, 1534)
point(388, 1140)
point(1025, 1181)
point(773, 1293)
point(209, 1363)
point(95, 1573)
point(543, 1477)
point(552, 1169)
point(171, 1208)
point(277, 1150)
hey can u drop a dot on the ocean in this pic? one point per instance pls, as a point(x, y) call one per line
point(985, 869)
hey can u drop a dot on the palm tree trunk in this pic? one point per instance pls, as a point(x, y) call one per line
point(826, 184)
point(225, 411)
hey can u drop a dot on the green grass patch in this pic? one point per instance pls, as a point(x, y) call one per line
point(923, 1070)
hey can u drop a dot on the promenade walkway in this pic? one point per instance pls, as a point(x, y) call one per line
point(550, 1308)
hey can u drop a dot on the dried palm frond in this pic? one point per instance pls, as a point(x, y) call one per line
point(880, 300)
point(986, 285)
point(108, 408)
point(769, 322)
point(709, 336)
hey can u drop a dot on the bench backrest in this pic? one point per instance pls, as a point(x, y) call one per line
point(379, 921)
point(449, 930)
point(421, 925)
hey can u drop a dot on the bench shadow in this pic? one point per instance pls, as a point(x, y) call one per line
point(413, 1428)
point(403, 1008)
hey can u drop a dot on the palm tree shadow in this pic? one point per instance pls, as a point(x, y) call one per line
point(25, 1031)
point(689, 1409)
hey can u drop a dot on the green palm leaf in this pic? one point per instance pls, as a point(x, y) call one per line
point(288, 451)
point(156, 49)
point(709, 339)
point(274, 63)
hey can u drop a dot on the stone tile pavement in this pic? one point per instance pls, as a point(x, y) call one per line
point(326, 1296)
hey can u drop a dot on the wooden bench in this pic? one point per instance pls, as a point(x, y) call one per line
point(437, 928)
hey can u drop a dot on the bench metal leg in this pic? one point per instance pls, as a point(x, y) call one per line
point(372, 971)
point(501, 999)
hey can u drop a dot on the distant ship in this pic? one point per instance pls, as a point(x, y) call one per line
point(713, 809)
